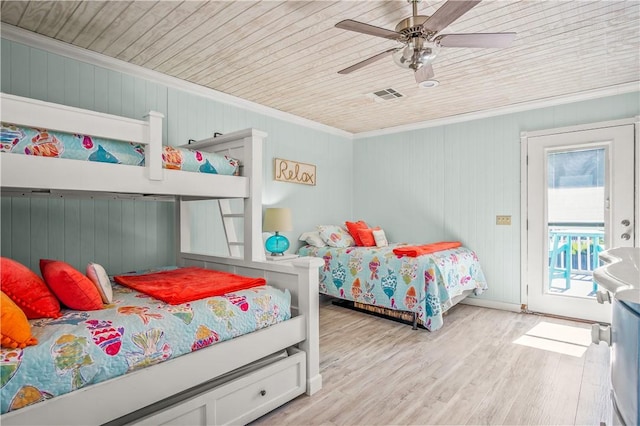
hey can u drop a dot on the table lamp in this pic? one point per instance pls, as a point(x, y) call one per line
point(277, 219)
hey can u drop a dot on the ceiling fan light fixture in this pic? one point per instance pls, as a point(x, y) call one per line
point(428, 84)
point(415, 53)
point(402, 57)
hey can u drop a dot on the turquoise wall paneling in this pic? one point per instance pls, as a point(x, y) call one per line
point(164, 232)
point(56, 78)
point(6, 228)
point(88, 235)
point(19, 64)
point(38, 74)
point(449, 182)
point(126, 235)
point(114, 92)
point(101, 90)
point(80, 231)
point(21, 234)
point(39, 235)
point(102, 231)
point(86, 84)
point(5, 64)
point(71, 227)
point(207, 223)
point(71, 78)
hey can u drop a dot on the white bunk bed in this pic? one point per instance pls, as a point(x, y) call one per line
point(228, 382)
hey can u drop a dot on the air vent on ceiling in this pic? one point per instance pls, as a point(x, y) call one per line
point(385, 95)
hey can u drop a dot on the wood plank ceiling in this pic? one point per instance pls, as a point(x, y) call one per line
point(286, 54)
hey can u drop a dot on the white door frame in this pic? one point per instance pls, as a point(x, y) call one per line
point(524, 213)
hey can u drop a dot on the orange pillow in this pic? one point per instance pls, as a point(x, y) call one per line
point(27, 290)
point(353, 228)
point(366, 236)
point(15, 330)
point(70, 286)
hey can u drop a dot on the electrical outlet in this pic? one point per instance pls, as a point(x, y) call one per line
point(503, 220)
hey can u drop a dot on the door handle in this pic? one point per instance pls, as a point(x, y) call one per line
point(625, 237)
point(625, 222)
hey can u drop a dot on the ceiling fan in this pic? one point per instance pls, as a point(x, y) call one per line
point(421, 41)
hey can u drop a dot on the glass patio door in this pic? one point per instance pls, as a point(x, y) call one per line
point(580, 201)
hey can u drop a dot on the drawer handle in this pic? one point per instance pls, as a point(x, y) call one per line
point(263, 392)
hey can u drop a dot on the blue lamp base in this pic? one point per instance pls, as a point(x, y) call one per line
point(277, 244)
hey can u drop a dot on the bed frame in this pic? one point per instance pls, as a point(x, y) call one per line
point(229, 382)
point(405, 317)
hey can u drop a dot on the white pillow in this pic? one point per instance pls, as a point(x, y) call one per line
point(380, 237)
point(100, 279)
point(335, 236)
point(312, 238)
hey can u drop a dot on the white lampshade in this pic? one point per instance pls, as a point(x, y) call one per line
point(277, 219)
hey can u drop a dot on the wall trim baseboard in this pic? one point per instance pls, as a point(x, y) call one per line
point(39, 41)
point(51, 45)
point(493, 304)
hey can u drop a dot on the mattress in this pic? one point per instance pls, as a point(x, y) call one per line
point(134, 332)
point(45, 143)
point(376, 276)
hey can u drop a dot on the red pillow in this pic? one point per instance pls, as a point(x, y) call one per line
point(366, 236)
point(353, 228)
point(27, 290)
point(71, 286)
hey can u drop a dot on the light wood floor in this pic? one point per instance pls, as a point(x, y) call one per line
point(376, 371)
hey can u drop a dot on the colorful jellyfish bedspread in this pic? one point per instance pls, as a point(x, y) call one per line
point(136, 331)
point(376, 276)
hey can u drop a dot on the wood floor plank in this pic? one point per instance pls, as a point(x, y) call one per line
point(482, 378)
point(496, 404)
point(594, 404)
point(379, 372)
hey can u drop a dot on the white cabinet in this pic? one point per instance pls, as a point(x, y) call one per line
point(239, 400)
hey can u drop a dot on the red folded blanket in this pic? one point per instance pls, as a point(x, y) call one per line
point(188, 284)
point(414, 251)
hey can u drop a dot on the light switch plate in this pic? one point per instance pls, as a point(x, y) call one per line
point(503, 220)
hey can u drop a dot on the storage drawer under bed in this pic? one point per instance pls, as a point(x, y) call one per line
point(239, 400)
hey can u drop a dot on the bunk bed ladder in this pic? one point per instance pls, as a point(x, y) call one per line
point(233, 243)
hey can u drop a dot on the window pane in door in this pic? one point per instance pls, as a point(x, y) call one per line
point(575, 212)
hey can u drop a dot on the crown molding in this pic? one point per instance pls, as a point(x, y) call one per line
point(523, 106)
point(39, 41)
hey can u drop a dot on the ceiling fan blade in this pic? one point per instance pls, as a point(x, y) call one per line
point(367, 61)
point(447, 13)
point(476, 40)
point(425, 72)
point(361, 27)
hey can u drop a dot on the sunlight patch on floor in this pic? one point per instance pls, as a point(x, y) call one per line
point(564, 339)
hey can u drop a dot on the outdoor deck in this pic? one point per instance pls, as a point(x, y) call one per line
point(581, 286)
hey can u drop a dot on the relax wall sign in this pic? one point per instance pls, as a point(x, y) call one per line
point(293, 171)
